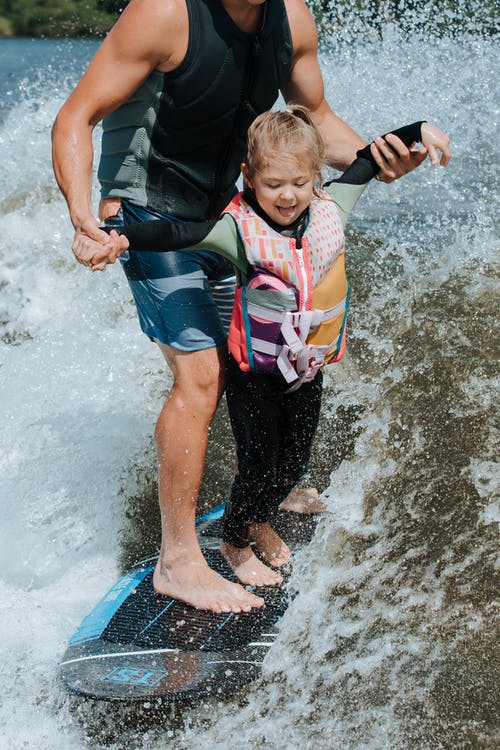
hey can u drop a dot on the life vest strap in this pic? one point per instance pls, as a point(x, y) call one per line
point(297, 361)
point(283, 354)
point(304, 320)
point(265, 347)
point(284, 362)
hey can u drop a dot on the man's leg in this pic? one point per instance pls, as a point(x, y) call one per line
point(175, 306)
point(181, 441)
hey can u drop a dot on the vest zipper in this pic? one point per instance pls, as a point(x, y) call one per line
point(302, 275)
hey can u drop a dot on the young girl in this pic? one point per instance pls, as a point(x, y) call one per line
point(286, 240)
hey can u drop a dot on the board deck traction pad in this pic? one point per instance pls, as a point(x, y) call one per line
point(136, 644)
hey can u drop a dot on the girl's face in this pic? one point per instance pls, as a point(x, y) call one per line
point(283, 186)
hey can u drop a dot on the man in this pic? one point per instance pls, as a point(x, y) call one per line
point(177, 83)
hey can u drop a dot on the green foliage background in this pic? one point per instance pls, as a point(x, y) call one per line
point(57, 18)
point(93, 18)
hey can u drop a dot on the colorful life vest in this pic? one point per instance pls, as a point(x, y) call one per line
point(290, 310)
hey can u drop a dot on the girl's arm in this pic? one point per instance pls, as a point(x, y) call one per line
point(347, 189)
point(218, 235)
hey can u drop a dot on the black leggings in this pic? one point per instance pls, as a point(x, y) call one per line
point(273, 432)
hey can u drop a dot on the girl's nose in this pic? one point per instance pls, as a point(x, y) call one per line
point(286, 193)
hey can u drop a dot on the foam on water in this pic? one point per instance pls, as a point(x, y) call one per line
point(389, 642)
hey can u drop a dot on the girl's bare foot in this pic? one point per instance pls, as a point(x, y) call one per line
point(247, 567)
point(304, 500)
point(269, 544)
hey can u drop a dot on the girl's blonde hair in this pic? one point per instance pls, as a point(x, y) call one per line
point(292, 130)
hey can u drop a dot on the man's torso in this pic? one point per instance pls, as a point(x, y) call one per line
point(176, 145)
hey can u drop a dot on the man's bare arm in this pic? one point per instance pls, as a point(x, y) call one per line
point(306, 87)
point(150, 34)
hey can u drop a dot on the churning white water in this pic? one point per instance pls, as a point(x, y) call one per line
point(390, 640)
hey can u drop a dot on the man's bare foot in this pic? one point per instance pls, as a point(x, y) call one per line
point(190, 579)
point(249, 569)
point(269, 544)
point(304, 500)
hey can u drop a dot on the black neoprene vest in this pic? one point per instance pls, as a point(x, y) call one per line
point(177, 144)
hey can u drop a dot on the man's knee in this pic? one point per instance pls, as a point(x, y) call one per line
point(203, 391)
point(199, 377)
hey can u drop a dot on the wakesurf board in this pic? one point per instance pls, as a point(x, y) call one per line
point(137, 645)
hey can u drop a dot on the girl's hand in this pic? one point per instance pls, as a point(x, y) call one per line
point(120, 243)
point(434, 140)
point(394, 159)
point(90, 244)
point(117, 246)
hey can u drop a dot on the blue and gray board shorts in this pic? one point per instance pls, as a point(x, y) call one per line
point(184, 298)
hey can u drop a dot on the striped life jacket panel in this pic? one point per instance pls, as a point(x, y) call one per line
point(290, 310)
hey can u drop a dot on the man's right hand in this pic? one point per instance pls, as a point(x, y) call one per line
point(92, 247)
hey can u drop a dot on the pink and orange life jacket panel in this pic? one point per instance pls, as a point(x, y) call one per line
point(290, 312)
